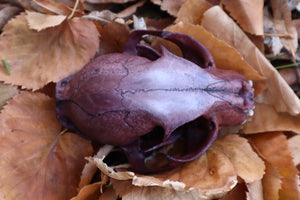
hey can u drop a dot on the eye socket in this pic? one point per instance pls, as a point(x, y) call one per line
point(63, 83)
point(153, 138)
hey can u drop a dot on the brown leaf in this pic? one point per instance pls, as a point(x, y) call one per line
point(296, 23)
point(267, 119)
point(171, 6)
point(108, 1)
point(237, 193)
point(247, 13)
point(289, 75)
point(6, 13)
point(273, 147)
point(294, 146)
point(192, 11)
point(225, 56)
point(87, 174)
point(51, 7)
point(131, 192)
point(94, 191)
point(37, 58)
point(283, 24)
point(38, 21)
point(271, 183)
point(91, 192)
point(278, 94)
point(131, 9)
point(246, 162)
point(6, 92)
point(113, 37)
point(211, 175)
point(37, 162)
point(255, 191)
point(273, 45)
point(109, 194)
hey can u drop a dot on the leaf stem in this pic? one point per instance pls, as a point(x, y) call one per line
point(74, 9)
point(6, 65)
point(286, 66)
point(63, 131)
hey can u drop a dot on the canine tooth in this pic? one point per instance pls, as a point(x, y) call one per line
point(250, 83)
point(251, 113)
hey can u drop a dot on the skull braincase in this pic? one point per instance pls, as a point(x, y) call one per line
point(118, 98)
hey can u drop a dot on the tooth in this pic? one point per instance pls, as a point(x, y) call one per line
point(250, 83)
point(251, 113)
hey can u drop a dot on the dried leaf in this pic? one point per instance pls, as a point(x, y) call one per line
point(225, 56)
point(273, 45)
point(51, 7)
point(294, 146)
point(113, 37)
point(37, 162)
point(109, 194)
point(171, 6)
point(24, 4)
point(283, 24)
point(237, 193)
point(273, 147)
point(94, 190)
point(87, 174)
point(192, 11)
point(271, 183)
point(90, 192)
point(39, 21)
point(108, 1)
point(131, 9)
point(90, 168)
point(278, 94)
point(255, 191)
point(7, 13)
point(37, 58)
point(247, 13)
point(296, 23)
point(6, 92)
point(246, 162)
point(211, 175)
point(267, 119)
point(289, 75)
point(130, 192)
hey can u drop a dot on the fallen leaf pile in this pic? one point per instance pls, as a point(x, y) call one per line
point(43, 41)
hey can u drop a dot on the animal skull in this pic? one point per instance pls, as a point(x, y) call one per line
point(121, 98)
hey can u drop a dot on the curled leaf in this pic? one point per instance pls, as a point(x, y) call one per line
point(192, 11)
point(278, 94)
point(248, 13)
point(39, 21)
